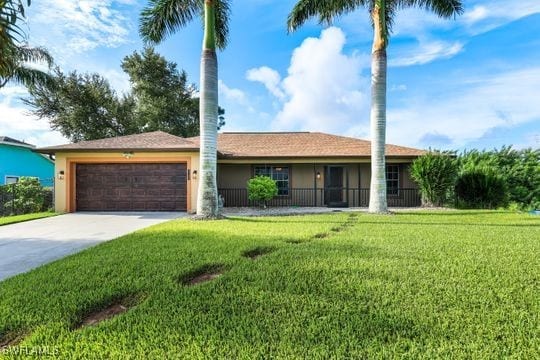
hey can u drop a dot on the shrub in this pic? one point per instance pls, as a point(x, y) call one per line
point(481, 188)
point(261, 189)
point(29, 196)
point(520, 169)
point(435, 173)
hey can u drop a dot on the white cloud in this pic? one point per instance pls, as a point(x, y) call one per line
point(235, 95)
point(426, 52)
point(270, 78)
point(324, 89)
point(477, 13)
point(16, 122)
point(69, 26)
point(396, 87)
point(501, 100)
point(499, 12)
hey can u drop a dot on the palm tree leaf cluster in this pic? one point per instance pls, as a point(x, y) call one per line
point(326, 11)
point(16, 56)
point(162, 18)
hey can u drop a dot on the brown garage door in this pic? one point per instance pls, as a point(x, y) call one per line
point(131, 187)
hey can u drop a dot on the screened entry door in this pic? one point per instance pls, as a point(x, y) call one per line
point(334, 185)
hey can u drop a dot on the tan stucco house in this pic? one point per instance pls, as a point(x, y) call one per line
point(159, 172)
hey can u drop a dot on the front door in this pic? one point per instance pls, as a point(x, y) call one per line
point(334, 185)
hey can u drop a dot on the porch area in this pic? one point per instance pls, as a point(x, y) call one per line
point(317, 185)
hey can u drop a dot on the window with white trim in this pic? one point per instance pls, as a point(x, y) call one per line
point(280, 174)
point(11, 179)
point(392, 179)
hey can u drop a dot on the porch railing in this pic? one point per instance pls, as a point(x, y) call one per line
point(309, 197)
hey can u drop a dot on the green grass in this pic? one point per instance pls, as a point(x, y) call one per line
point(411, 285)
point(6, 220)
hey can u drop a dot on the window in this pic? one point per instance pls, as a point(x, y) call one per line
point(392, 179)
point(11, 179)
point(280, 174)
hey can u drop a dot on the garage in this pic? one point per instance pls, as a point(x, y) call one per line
point(131, 187)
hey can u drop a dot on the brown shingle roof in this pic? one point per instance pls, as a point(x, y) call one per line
point(299, 144)
point(244, 145)
point(151, 141)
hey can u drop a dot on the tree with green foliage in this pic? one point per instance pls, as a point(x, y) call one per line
point(435, 173)
point(382, 13)
point(83, 107)
point(15, 54)
point(162, 18)
point(261, 189)
point(164, 100)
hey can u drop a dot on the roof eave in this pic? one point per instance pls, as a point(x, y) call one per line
point(26, 146)
point(248, 157)
point(79, 150)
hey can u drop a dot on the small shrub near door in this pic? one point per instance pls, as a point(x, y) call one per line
point(481, 188)
point(261, 189)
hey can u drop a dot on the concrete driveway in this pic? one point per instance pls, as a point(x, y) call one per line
point(27, 245)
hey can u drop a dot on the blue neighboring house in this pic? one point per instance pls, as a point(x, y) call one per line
point(17, 159)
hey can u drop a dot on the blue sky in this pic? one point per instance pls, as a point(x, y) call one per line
point(472, 82)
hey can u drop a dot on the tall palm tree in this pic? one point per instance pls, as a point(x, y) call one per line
point(162, 18)
point(382, 14)
point(15, 55)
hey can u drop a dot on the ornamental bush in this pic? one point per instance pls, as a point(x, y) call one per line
point(435, 173)
point(481, 188)
point(520, 169)
point(28, 196)
point(261, 189)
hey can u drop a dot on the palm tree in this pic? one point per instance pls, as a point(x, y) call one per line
point(15, 54)
point(382, 14)
point(162, 18)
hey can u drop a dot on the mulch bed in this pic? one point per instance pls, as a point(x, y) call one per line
point(256, 253)
point(202, 274)
point(109, 312)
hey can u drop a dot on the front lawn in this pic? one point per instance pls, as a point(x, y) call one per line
point(5, 220)
point(445, 284)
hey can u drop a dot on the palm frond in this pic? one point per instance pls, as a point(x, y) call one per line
point(325, 10)
point(441, 8)
point(223, 13)
point(29, 77)
point(37, 54)
point(162, 18)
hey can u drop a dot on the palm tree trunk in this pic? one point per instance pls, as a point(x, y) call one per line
point(377, 198)
point(207, 199)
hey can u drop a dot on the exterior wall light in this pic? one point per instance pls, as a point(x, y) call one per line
point(318, 175)
point(194, 174)
point(61, 174)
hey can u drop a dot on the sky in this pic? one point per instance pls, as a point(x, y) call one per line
point(469, 82)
